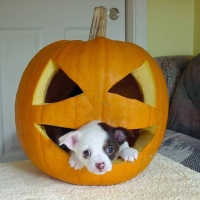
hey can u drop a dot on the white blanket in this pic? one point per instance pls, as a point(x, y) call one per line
point(162, 179)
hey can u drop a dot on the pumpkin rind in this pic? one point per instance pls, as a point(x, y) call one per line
point(95, 66)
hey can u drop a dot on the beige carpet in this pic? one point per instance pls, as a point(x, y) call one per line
point(163, 179)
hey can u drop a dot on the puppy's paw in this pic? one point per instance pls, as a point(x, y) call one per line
point(129, 154)
point(75, 162)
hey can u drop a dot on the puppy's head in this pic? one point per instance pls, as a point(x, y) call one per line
point(96, 145)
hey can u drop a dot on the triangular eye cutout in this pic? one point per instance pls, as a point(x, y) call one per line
point(61, 87)
point(127, 87)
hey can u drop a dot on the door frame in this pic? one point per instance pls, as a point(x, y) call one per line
point(136, 22)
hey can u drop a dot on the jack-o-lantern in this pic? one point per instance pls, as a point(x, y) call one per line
point(96, 67)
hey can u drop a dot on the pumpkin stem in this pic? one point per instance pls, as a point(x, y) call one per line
point(98, 26)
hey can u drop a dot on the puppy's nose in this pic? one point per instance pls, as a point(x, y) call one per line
point(100, 166)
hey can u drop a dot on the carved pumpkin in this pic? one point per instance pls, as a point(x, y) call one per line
point(95, 66)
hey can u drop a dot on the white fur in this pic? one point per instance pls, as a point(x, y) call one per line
point(127, 153)
point(92, 137)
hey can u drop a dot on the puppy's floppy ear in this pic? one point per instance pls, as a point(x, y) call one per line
point(70, 139)
point(121, 135)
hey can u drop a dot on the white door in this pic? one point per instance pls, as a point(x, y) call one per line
point(25, 28)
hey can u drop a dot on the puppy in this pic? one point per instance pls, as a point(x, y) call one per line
point(95, 145)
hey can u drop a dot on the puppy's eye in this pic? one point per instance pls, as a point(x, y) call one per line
point(86, 153)
point(110, 150)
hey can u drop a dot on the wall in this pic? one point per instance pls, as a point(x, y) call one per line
point(171, 27)
point(196, 41)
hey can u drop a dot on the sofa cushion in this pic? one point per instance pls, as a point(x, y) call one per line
point(182, 149)
point(172, 68)
point(184, 114)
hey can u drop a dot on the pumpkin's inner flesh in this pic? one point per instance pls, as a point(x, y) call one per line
point(145, 79)
point(41, 89)
point(141, 86)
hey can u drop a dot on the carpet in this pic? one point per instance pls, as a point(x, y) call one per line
point(162, 179)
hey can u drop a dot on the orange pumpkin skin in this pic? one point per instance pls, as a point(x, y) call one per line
point(95, 66)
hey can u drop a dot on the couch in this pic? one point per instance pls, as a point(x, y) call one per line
point(181, 142)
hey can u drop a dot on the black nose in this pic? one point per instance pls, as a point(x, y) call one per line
point(100, 166)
